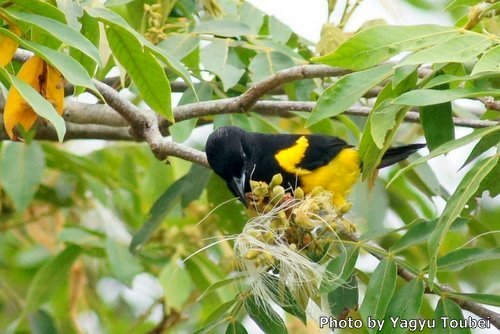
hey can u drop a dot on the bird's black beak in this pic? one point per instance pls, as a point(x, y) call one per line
point(237, 186)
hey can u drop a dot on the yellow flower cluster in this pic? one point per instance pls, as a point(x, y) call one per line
point(291, 236)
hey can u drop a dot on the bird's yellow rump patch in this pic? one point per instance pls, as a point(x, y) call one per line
point(289, 158)
point(338, 176)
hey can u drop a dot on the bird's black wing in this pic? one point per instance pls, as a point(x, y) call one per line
point(321, 150)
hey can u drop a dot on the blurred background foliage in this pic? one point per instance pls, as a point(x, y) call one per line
point(101, 240)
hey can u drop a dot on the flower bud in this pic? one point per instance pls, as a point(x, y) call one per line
point(277, 194)
point(276, 180)
point(251, 254)
point(299, 193)
point(316, 191)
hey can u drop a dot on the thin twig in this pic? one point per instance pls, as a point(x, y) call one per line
point(468, 305)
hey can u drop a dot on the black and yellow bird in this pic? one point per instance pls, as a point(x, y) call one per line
point(307, 161)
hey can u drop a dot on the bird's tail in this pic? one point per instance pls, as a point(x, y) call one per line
point(395, 154)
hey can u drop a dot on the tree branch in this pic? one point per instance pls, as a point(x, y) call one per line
point(100, 121)
point(468, 305)
point(84, 113)
point(45, 131)
point(490, 103)
point(144, 126)
point(277, 108)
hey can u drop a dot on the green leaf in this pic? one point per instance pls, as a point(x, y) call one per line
point(42, 323)
point(273, 46)
point(214, 58)
point(279, 32)
point(437, 122)
point(177, 285)
point(223, 28)
point(403, 73)
point(489, 62)
point(72, 11)
point(445, 148)
point(383, 119)
point(405, 304)
point(193, 189)
point(50, 278)
point(379, 291)
point(232, 216)
point(266, 64)
point(461, 258)
point(41, 106)
point(344, 298)
point(143, 68)
point(457, 49)
point(340, 269)
point(426, 97)
point(252, 17)
point(235, 327)
point(166, 202)
point(460, 3)
point(417, 234)
point(481, 298)
point(157, 213)
point(122, 263)
point(374, 45)
point(22, 169)
point(179, 45)
point(90, 29)
point(114, 20)
point(173, 64)
point(220, 284)
point(264, 316)
point(445, 79)
point(490, 183)
point(111, 3)
point(446, 308)
point(69, 68)
point(111, 18)
point(489, 141)
point(216, 317)
point(81, 237)
point(58, 30)
point(454, 206)
point(347, 91)
point(382, 124)
point(41, 8)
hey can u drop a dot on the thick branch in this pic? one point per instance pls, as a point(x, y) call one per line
point(144, 124)
point(46, 131)
point(84, 113)
point(254, 93)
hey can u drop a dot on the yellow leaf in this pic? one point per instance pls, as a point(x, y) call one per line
point(54, 91)
point(8, 46)
point(17, 110)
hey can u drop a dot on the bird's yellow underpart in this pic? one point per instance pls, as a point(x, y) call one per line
point(290, 157)
point(338, 176)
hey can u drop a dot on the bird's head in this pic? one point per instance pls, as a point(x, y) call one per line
point(226, 156)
